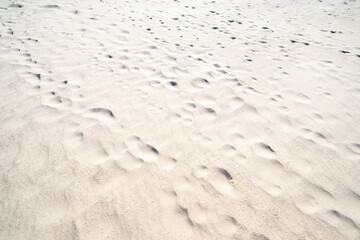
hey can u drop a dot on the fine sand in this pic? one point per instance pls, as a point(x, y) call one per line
point(176, 120)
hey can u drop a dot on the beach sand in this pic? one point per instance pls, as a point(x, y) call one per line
point(179, 119)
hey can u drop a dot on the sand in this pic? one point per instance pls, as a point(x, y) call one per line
point(179, 119)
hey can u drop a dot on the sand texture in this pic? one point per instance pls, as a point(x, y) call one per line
point(179, 120)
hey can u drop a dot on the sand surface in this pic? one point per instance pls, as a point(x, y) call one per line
point(179, 119)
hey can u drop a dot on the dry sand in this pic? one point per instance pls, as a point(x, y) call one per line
point(179, 119)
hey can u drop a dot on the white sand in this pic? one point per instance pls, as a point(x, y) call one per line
point(146, 120)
